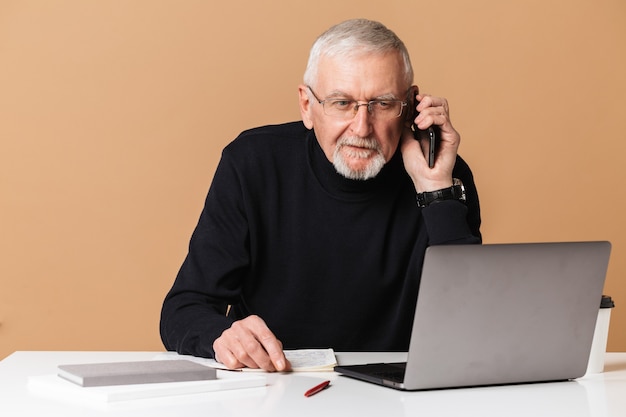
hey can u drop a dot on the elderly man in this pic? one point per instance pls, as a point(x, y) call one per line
point(314, 232)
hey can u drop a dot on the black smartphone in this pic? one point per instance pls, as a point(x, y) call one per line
point(432, 142)
point(433, 138)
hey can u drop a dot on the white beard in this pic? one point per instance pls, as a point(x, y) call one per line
point(372, 169)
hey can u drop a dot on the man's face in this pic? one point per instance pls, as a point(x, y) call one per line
point(358, 146)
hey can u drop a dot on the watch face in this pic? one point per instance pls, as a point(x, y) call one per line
point(461, 194)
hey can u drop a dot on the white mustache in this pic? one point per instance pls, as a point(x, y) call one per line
point(367, 143)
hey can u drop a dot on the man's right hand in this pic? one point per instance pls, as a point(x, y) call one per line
point(250, 343)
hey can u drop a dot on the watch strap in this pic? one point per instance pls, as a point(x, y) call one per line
point(455, 192)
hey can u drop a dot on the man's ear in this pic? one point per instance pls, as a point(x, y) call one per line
point(305, 106)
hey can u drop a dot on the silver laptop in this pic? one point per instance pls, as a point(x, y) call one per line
point(500, 314)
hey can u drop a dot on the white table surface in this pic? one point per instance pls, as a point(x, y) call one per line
point(596, 395)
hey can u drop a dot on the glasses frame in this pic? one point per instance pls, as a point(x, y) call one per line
point(355, 110)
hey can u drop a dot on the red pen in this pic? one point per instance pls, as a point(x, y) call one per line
point(317, 389)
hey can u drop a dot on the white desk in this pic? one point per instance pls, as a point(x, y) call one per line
point(595, 395)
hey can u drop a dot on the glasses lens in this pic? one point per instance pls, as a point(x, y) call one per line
point(385, 109)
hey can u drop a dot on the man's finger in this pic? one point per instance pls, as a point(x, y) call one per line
point(274, 349)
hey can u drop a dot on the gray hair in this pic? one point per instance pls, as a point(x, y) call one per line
point(354, 37)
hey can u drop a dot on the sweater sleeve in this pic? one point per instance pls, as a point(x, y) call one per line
point(210, 279)
point(455, 222)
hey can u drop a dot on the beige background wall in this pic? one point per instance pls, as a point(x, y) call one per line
point(113, 115)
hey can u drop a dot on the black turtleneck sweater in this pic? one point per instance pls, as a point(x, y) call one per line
point(325, 261)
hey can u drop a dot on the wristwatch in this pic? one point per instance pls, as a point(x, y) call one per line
point(456, 192)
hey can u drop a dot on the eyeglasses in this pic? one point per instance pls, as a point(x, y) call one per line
point(344, 108)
